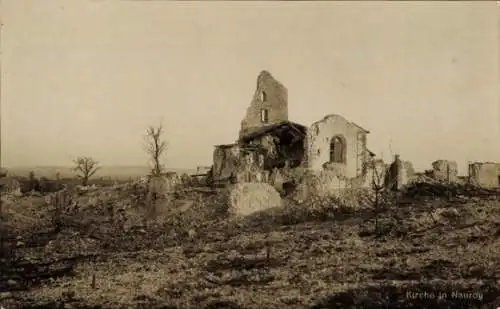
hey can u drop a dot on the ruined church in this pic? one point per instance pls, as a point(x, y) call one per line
point(271, 148)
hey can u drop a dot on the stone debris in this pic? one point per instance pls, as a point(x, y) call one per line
point(247, 198)
point(428, 187)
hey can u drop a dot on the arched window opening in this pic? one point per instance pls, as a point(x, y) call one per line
point(263, 96)
point(337, 150)
point(264, 116)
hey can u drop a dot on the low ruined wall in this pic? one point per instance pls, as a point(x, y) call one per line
point(325, 186)
point(445, 170)
point(331, 182)
point(485, 174)
point(320, 184)
point(247, 198)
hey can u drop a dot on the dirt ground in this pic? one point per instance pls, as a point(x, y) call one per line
point(427, 253)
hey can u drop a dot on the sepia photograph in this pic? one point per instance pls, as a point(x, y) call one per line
point(249, 154)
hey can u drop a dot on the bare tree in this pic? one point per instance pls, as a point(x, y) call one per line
point(85, 168)
point(377, 187)
point(155, 148)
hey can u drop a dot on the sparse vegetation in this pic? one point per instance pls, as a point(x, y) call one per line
point(319, 254)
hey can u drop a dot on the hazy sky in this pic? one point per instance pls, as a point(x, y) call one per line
point(88, 77)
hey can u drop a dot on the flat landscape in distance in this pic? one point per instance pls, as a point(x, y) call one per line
point(107, 171)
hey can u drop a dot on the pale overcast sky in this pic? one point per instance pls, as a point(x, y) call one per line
point(88, 77)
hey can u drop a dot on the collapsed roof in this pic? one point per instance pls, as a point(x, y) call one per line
point(294, 128)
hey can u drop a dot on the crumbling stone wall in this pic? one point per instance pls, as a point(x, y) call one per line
point(271, 95)
point(329, 183)
point(444, 170)
point(320, 184)
point(236, 163)
point(226, 162)
point(250, 169)
point(485, 174)
point(399, 174)
point(277, 179)
point(317, 146)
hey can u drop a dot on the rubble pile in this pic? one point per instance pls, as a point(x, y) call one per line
point(23, 213)
point(435, 188)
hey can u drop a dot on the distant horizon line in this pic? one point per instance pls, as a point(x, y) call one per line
point(69, 166)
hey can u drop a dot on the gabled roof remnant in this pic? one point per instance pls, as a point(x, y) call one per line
point(298, 128)
point(342, 117)
point(361, 128)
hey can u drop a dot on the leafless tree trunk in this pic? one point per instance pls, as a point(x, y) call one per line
point(377, 186)
point(85, 168)
point(155, 148)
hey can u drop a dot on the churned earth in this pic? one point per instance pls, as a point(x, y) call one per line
point(426, 252)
